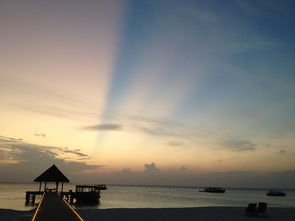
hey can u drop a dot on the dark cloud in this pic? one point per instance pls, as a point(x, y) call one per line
point(76, 152)
point(24, 161)
point(175, 144)
point(151, 168)
point(125, 171)
point(40, 135)
point(102, 127)
point(18, 150)
point(183, 168)
point(239, 145)
point(9, 139)
point(282, 152)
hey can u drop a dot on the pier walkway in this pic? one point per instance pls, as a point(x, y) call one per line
point(53, 208)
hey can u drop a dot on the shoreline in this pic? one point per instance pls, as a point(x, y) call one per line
point(163, 214)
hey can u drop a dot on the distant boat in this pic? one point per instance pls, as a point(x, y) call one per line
point(275, 193)
point(213, 190)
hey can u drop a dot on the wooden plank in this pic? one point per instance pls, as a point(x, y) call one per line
point(53, 208)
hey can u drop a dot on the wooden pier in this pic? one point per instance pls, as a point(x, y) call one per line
point(54, 204)
point(31, 196)
point(84, 193)
point(52, 207)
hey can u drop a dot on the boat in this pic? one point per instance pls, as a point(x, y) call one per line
point(88, 194)
point(213, 190)
point(275, 193)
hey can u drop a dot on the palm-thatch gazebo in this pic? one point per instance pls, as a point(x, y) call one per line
point(52, 174)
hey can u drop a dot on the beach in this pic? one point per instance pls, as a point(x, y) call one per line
point(16, 215)
point(163, 214)
point(185, 214)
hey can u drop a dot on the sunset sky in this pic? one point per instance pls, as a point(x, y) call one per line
point(149, 91)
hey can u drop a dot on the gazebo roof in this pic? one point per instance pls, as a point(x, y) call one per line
point(52, 174)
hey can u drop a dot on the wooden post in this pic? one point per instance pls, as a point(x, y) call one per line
point(27, 197)
point(71, 197)
point(40, 186)
point(33, 198)
point(56, 188)
point(62, 186)
point(45, 186)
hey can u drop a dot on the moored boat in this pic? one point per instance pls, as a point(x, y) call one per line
point(213, 190)
point(275, 193)
point(86, 194)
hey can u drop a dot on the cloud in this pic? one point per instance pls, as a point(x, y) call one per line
point(174, 144)
point(17, 148)
point(56, 110)
point(9, 139)
point(124, 172)
point(183, 168)
point(239, 145)
point(164, 127)
point(102, 127)
point(155, 120)
point(158, 131)
point(151, 168)
point(22, 161)
point(155, 126)
point(40, 135)
point(76, 152)
point(282, 152)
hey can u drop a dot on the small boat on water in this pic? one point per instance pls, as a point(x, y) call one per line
point(213, 190)
point(86, 194)
point(275, 193)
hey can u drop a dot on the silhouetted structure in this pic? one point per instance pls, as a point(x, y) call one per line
point(261, 209)
point(83, 194)
point(52, 174)
point(252, 210)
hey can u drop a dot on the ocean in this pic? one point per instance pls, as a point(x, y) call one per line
point(12, 196)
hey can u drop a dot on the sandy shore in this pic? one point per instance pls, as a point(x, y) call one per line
point(185, 214)
point(16, 215)
point(163, 214)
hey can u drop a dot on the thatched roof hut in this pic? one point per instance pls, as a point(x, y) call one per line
point(52, 174)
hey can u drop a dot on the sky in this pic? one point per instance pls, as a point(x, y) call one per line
point(158, 92)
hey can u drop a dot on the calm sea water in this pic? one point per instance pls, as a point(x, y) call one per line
point(12, 196)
